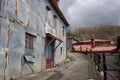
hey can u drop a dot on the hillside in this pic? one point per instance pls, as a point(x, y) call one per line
point(107, 32)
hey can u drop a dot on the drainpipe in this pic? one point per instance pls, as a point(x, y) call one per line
point(66, 41)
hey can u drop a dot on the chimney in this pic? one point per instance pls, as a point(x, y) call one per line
point(118, 42)
point(92, 41)
point(57, 1)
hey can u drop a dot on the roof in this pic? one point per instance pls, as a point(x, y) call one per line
point(88, 48)
point(81, 48)
point(57, 9)
point(84, 47)
point(97, 40)
point(104, 49)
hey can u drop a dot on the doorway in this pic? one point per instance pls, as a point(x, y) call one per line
point(49, 52)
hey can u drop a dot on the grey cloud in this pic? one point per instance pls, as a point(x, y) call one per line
point(82, 13)
point(64, 4)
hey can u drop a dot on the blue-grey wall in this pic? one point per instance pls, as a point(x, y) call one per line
point(16, 18)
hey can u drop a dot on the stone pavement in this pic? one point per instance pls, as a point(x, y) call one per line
point(76, 67)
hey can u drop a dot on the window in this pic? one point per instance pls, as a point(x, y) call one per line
point(63, 31)
point(61, 50)
point(47, 8)
point(29, 40)
point(48, 14)
point(55, 21)
point(50, 17)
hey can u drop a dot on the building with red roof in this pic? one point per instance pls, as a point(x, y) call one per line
point(99, 51)
point(94, 45)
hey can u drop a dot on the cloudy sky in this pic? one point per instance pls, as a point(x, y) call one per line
point(82, 13)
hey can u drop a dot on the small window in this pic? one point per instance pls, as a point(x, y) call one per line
point(48, 15)
point(61, 50)
point(55, 21)
point(63, 31)
point(29, 40)
point(47, 8)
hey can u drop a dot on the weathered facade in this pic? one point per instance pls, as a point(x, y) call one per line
point(32, 36)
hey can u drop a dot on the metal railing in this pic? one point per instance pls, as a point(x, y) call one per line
point(100, 62)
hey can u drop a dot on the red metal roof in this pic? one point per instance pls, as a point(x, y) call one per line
point(88, 48)
point(82, 48)
point(97, 41)
point(87, 45)
point(104, 49)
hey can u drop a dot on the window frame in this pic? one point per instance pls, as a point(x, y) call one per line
point(29, 41)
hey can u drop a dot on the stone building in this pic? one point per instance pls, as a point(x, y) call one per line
point(32, 36)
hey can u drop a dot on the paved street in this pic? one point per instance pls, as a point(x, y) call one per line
point(80, 69)
point(77, 67)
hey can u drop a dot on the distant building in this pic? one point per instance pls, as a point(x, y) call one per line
point(104, 54)
point(32, 36)
point(95, 45)
point(70, 42)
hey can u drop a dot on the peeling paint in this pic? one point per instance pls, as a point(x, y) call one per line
point(28, 23)
point(37, 30)
point(4, 17)
point(6, 63)
point(12, 20)
point(37, 27)
point(21, 22)
point(4, 5)
point(16, 8)
point(9, 35)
